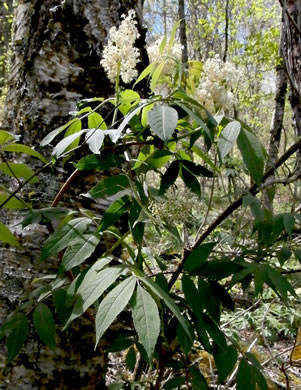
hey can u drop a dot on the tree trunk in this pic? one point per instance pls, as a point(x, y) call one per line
point(183, 37)
point(6, 12)
point(57, 48)
point(277, 121)
point(292, 56)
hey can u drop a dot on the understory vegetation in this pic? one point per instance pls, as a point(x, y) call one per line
point(200, 278)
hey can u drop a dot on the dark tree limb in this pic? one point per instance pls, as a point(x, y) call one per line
point(254, 189)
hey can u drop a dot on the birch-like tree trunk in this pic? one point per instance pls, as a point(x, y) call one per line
point(56, 51)
point(57, 48)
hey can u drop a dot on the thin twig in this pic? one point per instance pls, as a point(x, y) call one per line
point(263, 335)
point(233, 207)
point(24, 184)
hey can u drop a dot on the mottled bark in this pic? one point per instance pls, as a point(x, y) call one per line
point(56, 51)
point(277, 121)
point(6, 12)
point(292, 55)
point(57, 48)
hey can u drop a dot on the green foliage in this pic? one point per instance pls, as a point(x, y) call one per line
point(182, 147)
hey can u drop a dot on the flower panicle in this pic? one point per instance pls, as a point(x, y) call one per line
point(120, 51)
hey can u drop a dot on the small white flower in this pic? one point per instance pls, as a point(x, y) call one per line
point(154, 55)
point(120, 50)
point(215, 86)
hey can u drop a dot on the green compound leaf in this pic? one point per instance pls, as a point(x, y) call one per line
point(79, 250)
point(252, 154)
point(109, 186)
point(146, 320)
point(169, 177)
point(166, 299)
point(49, 137)
point(17, 334)
point(62, 237)
point(12, 203)
point(192, 295)
point(130, 359)
point(44, 324)
point(94, 284)
point(225, 360)
point(103, 162)
point(114, 212)
point(67, 143)
point(249, 377)
point(198, 381)
point(163, 121)
point(112, 305)
point(198, 256)
point(191, 182)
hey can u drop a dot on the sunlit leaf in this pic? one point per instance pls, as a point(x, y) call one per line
point(228, 138)
point(49, 137)
point(5, 137)
point(96, 121)
point(7, 236)
point(18, 170)
point(24, 149)
point(163, 120)
point(63, 145)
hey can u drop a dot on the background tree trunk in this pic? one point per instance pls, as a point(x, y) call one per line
point(277, 120)
point(292, 57)
point(56, 51)
point(57, 48)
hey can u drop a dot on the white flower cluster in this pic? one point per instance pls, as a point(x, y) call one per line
point(154, 55)
point(219, 78)
point(120, 50)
